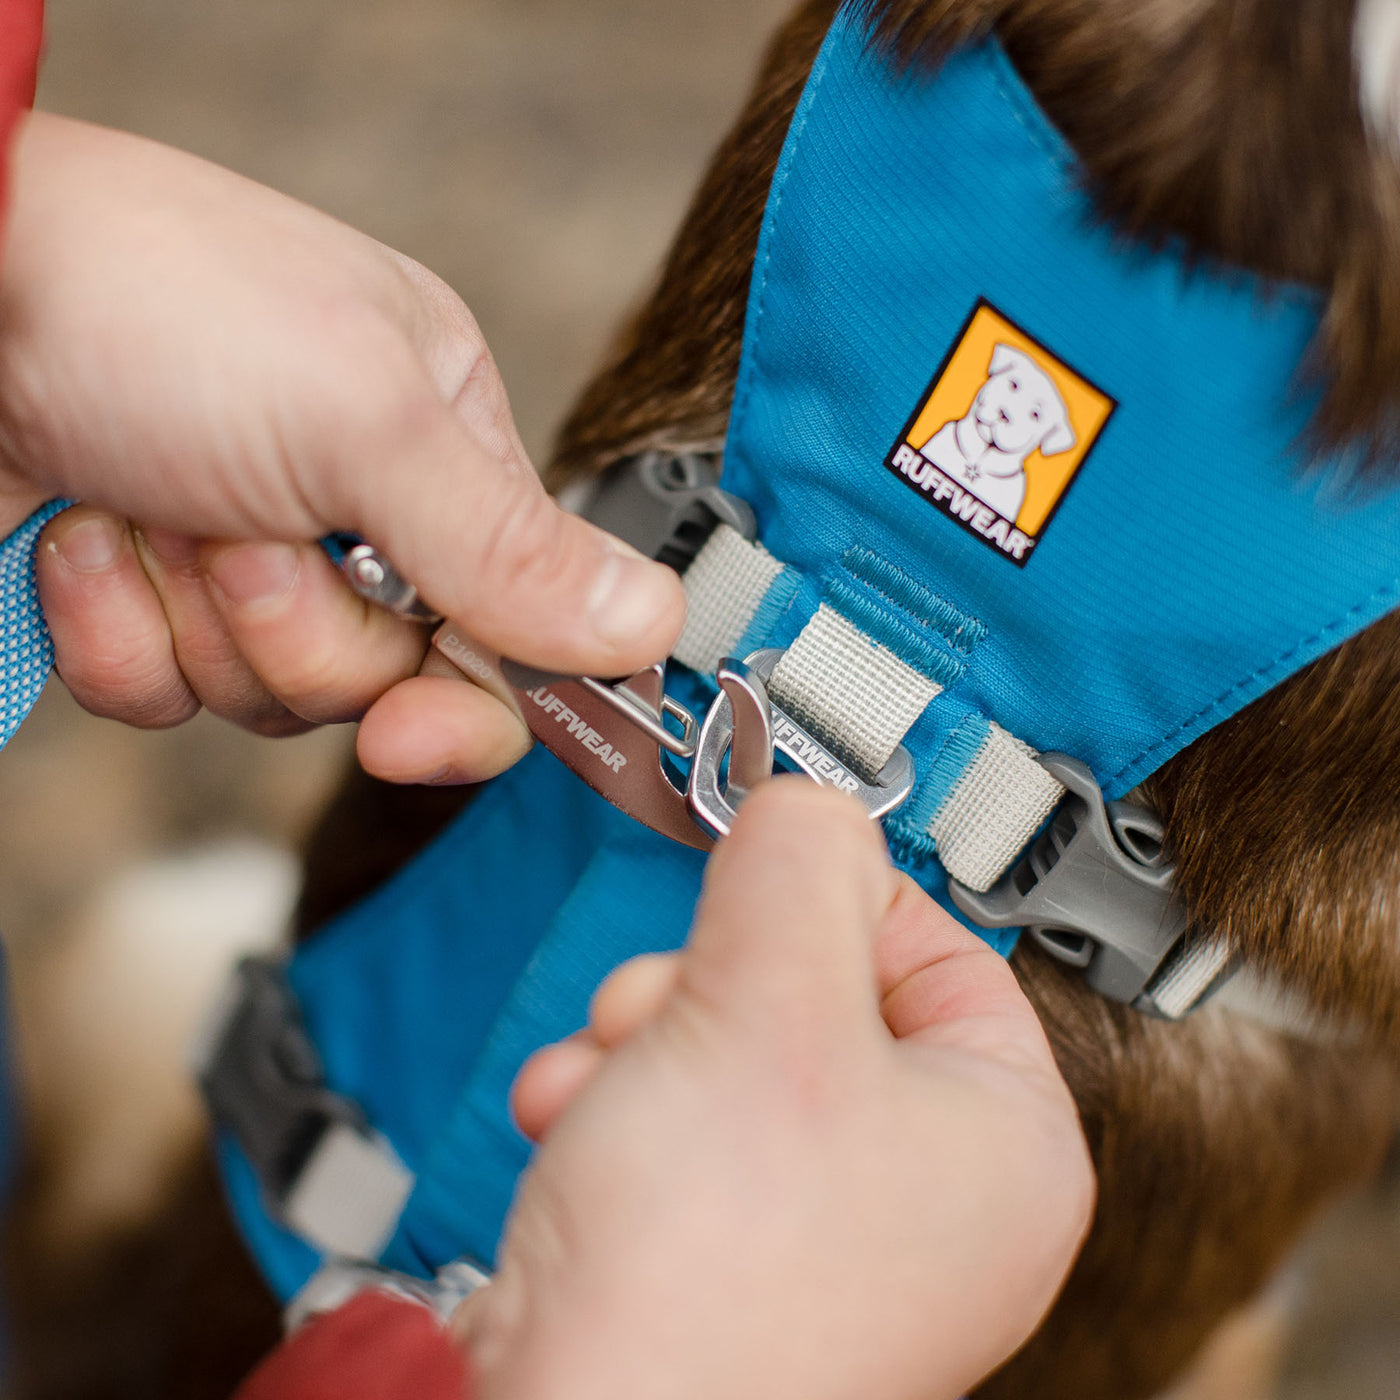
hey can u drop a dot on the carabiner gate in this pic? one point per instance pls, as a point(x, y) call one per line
point(744, 724)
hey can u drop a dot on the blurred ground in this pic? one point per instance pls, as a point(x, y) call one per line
point(537, 154)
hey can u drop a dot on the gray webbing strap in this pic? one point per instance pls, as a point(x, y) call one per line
point(852, 693)
point(346, 1200)
point(724, 585)
point(861, 699)
point(997, 805)
point(1198, 968)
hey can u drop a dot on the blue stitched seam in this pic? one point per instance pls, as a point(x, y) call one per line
point(1340, 628)
point(1043, 133)
point(770, 610)
point(1027, 111)
point(902, 590)
point(908, 828)
point(892, 632)
point(743, 391)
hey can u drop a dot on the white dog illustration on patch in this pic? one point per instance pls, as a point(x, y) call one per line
point(1017, 410)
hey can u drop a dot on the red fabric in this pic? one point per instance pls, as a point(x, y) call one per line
point(21, 36)
point(376, 1347)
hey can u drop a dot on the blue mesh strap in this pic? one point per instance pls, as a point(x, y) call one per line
point(26, 649)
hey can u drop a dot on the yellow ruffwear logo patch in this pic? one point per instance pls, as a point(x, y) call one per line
point(999, 434)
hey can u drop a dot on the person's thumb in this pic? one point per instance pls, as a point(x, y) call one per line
point(793, 898)
point(477, 535)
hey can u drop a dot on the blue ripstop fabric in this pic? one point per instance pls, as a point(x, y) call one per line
point(425, 999)
point(1192, 563)
point(1188, 566)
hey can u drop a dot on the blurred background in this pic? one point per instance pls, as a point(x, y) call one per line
point(537, 154)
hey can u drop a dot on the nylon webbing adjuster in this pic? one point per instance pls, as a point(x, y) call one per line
point(325, 1173)
point(1096, 890)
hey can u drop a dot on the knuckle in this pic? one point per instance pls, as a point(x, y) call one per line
point(241, 700)
point(320, 686)
point(147, 697)
point(429, 299)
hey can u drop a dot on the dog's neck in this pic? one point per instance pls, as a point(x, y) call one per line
point(985, 456)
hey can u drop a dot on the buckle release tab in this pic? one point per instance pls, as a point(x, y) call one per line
point(326, 1174)
point(1095, 889)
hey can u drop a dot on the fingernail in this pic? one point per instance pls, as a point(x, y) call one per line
point(629, 595)
point(173, 549)
point(253, 575)
point(91, 545)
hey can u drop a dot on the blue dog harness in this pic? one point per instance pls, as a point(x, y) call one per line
point(1019, 489)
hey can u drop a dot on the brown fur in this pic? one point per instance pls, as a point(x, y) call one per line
point(1230, 124)
point(173, 1309)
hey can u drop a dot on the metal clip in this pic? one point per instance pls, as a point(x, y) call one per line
point(1096, 889)
point(374, 578)
point(613, 736)
point(745, 725)
point(739, 725)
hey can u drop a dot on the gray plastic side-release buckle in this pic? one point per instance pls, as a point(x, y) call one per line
point(324, 1172)
point(666, 505)
point(1095, 889)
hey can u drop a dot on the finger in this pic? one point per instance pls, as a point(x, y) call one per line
point(112, 643)
point(460, 362)
point(486, 545)
point(441, 730)
point(631, 995)
point(792, 901)
point(324, 652)
point(943, 985)
point(204, 648)
point(550, 1080)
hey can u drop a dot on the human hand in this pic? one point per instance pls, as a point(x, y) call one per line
point(185, 349)
point(825, 1152)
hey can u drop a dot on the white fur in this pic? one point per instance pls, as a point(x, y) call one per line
point(1376, 44)
point(104, 1029)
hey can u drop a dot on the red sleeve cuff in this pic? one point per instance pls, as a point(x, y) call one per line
point(21, 37)
point(375, 1347)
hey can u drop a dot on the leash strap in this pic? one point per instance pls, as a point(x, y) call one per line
point(26, 648)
